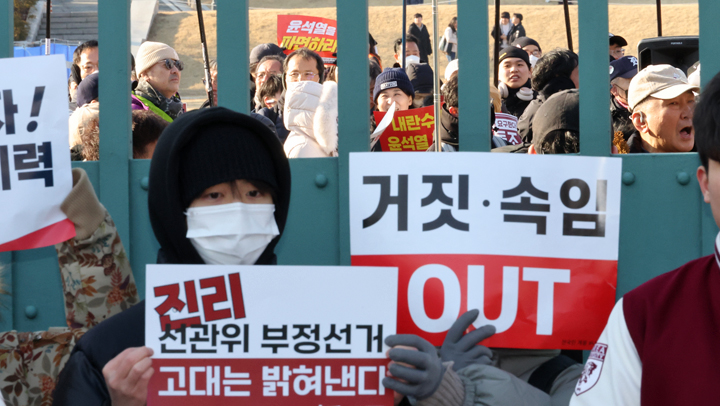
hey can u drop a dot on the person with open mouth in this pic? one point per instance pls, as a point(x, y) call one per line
point(662, 104)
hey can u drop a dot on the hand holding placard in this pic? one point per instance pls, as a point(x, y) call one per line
point(427, 372)
point(463, 349)
point(128, 375)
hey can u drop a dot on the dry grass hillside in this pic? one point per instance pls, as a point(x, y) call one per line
point(542, 22)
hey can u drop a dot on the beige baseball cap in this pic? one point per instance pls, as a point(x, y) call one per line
point(659, 81)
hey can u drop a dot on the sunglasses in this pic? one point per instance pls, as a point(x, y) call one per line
point(170, 62)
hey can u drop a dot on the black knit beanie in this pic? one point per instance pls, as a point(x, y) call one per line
point(223, 153)
point(514, 52)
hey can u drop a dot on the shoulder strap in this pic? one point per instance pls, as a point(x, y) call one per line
point(154, 108)
point(544, 376)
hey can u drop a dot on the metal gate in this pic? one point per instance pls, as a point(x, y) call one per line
point(664, 222)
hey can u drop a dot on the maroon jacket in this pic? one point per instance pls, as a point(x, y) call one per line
point(674, 321)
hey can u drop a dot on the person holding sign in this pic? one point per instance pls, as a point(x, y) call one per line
point(212, 170)
point(393, 86)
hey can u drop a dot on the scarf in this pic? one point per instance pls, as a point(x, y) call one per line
point(172, 106)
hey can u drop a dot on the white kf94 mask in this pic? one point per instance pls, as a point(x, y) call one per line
point(231, 234)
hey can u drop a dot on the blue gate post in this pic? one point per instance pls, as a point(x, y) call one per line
point(6, 51)
point(709, 12)
point(115, 122)
point(353, 122)
point(232, 54)
point(473, 137)
point(7, 34)
point(594, 79)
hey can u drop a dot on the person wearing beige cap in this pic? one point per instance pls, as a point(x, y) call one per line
point(662, 104)
point(158, 68)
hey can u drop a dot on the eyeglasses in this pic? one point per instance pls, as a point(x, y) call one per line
point(619, 51)
point(309, 75)
point(169, 63)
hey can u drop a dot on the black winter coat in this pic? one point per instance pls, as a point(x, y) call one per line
point(424, 37)
point(81, 382)
point(556, 84)
point(516, 32)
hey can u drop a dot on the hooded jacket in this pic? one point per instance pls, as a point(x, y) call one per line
point(556, 84)
point(81, 381)
point(311, 117)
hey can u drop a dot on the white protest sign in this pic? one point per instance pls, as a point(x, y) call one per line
point(277, 335)
point(530, 240)
point(35, 173)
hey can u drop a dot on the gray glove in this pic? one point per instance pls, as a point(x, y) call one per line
point(422, 381)
point(463, 349)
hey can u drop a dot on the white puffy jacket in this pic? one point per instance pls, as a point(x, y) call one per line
point(311, 117)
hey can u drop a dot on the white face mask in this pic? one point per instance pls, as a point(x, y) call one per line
point(410, 59)
point(231, 234)
point(533, 60)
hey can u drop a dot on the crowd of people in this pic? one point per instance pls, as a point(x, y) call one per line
point(294, 103)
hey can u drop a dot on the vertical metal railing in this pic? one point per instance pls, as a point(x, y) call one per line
point(233, 42)
point(353, 122)
point(115, 120)
point(474, 91)
point(594, 79)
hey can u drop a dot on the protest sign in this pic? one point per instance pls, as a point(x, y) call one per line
point(269, 335)
point(530, 241)
point(410, 130)
point(506, 128)
point(35, 173)
point(315, 33)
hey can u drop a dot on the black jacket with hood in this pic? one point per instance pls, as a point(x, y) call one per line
point(81, 382)
point(555, 85)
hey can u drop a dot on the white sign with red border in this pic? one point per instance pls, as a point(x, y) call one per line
point(35, 173)
point(271, 335)
point(531, 241)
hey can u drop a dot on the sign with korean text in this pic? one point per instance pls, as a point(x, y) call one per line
point(35, 173)
point(530, 241)
point(315, 33)
point(506, 128)
point(269, 335)
point(410, 130)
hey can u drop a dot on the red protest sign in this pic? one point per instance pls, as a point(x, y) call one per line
point(315, 33)
point(533, 302)
point(410, 130)
point(534, 247)
point(296, 382)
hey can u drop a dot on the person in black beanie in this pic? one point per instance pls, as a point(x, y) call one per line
point(207, 161)
point(514, 80)
point(421, 77)
point(530, 46)
point(393, 86)
point(554, 72)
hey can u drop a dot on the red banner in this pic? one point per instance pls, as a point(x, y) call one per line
point(410, 130)
point(277, 382)
point(315, 33)
point(534, 302)
point(50, 235)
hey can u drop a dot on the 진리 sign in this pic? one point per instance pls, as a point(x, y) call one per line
point(269, 335)
point(531, 241)
point(315, 33)
point(35, 174)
